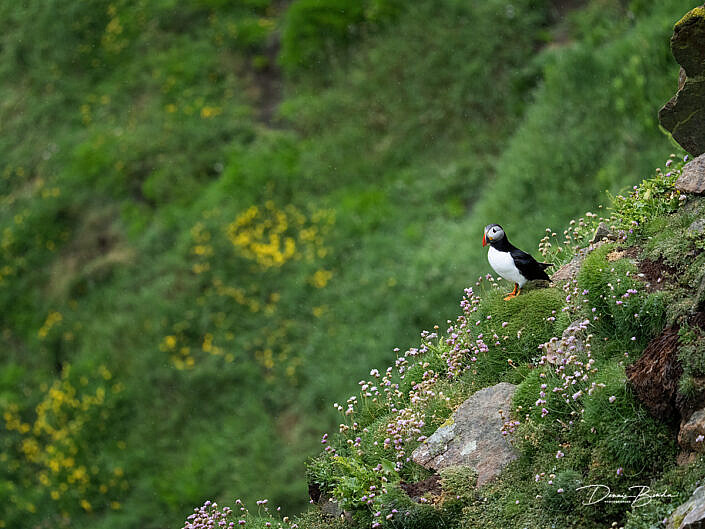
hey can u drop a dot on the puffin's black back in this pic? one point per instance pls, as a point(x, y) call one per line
point(529, 267)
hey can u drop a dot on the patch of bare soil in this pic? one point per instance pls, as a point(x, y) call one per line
point(314, 491)
point(698, 320)
point(418, 489)
point(655, 273)
point(654, 377)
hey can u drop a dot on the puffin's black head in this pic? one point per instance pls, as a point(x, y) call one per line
point(493, 233)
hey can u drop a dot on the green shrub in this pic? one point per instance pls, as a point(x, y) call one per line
point(316, 31)
point(413, 515)
point(623, 307)
point(615, 420)
point(561, 495)
point(522, 324)
point(527, 394)
point(459, 482)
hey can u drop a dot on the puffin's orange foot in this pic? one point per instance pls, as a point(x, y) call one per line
point(514, 293)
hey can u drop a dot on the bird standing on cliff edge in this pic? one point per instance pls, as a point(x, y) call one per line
point(510, 262)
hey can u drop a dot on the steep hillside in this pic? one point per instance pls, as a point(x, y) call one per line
point(584, 358)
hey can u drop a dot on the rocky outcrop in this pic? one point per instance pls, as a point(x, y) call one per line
point(570, 270)
point(692, 178)
point(687, 42)
point(690, 515)
point(684, 114)
point(692, 433)
point(473, 436)
point(696, 228)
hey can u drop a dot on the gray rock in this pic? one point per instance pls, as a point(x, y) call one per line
point(697, 228)
point(691, 430)
point(330, 507)
point(569, 270)
point(690, 515)
point(684, 115)
point(688, 42)
point(602, 232)
point(692, 178)
point(473, 437)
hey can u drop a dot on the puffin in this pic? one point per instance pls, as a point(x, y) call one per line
point(510, 262)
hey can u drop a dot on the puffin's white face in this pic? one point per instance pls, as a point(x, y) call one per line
point(493, 232)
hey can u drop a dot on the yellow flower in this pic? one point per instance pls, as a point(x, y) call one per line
point(170, 342)
point(210, 112)
point(52, 319)
point(321, 277)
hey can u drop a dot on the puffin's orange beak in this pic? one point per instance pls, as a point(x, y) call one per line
point(484, 241)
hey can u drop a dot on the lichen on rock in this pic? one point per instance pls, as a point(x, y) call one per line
point(474, 438)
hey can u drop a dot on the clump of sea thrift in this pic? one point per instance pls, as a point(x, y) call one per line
point(211, 516)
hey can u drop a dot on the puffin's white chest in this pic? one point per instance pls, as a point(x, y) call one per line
point(503, 264)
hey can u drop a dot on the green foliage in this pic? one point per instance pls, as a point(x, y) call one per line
point(528, 318)
point(613, 290)
point(670, 239)
point(678, 484)
point(316, 31)
point(59, 451)
point(528, 392)
point(616, 421)
point(315, 519)
point(690, 354)
point(458, 482)
point(413, 515)
point(571, 143)
point(655, 197)
point(561, 495)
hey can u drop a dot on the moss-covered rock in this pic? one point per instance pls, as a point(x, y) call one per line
point(684, 114)
point(688, 42)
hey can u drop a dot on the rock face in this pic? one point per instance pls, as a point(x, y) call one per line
point(692, 179)
point(697, 228)
point(602, 232)
point(684, 114)
point(568, 271)
point(687, 42)
point(690, 515)
point(692, 433)
point(472, 436)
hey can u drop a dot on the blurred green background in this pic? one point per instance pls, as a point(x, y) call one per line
point(217, 216)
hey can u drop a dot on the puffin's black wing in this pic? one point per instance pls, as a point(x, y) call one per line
point(529, 267)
